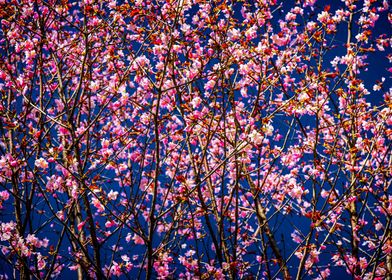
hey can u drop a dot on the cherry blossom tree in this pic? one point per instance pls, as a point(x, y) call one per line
point(195, 139)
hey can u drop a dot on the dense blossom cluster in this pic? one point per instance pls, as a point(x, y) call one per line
point(195, 139)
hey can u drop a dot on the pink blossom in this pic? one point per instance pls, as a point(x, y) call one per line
point(4, 195)
point(41, 262)
point(296, 237)
point(115, 269)
point(42, 163)
point(109, 224)
point(138, 240)
point(112, 195)
point(81, 225)
point(210, 85)
point(97, 204)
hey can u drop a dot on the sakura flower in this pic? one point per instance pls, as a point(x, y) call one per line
point(41, 262)
point(94, 86)
point(234, 34)
point(98, 204)
point(81, 225)
point(109, 224)
point(196, 102)
point(128, 237)
point(138, 240)
point(251, 33)
point(378, 226)
point(256, 138)
point(41, 163)
point(323, 17)
point(210, 85)
point(378, 86)
point(363, 263)
point(4, 195)
point(325, 273)
point(115, 269)
point(296, 237)
point(112, 195)
point(296, 192)
point(125, 258)
point(309, 3)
